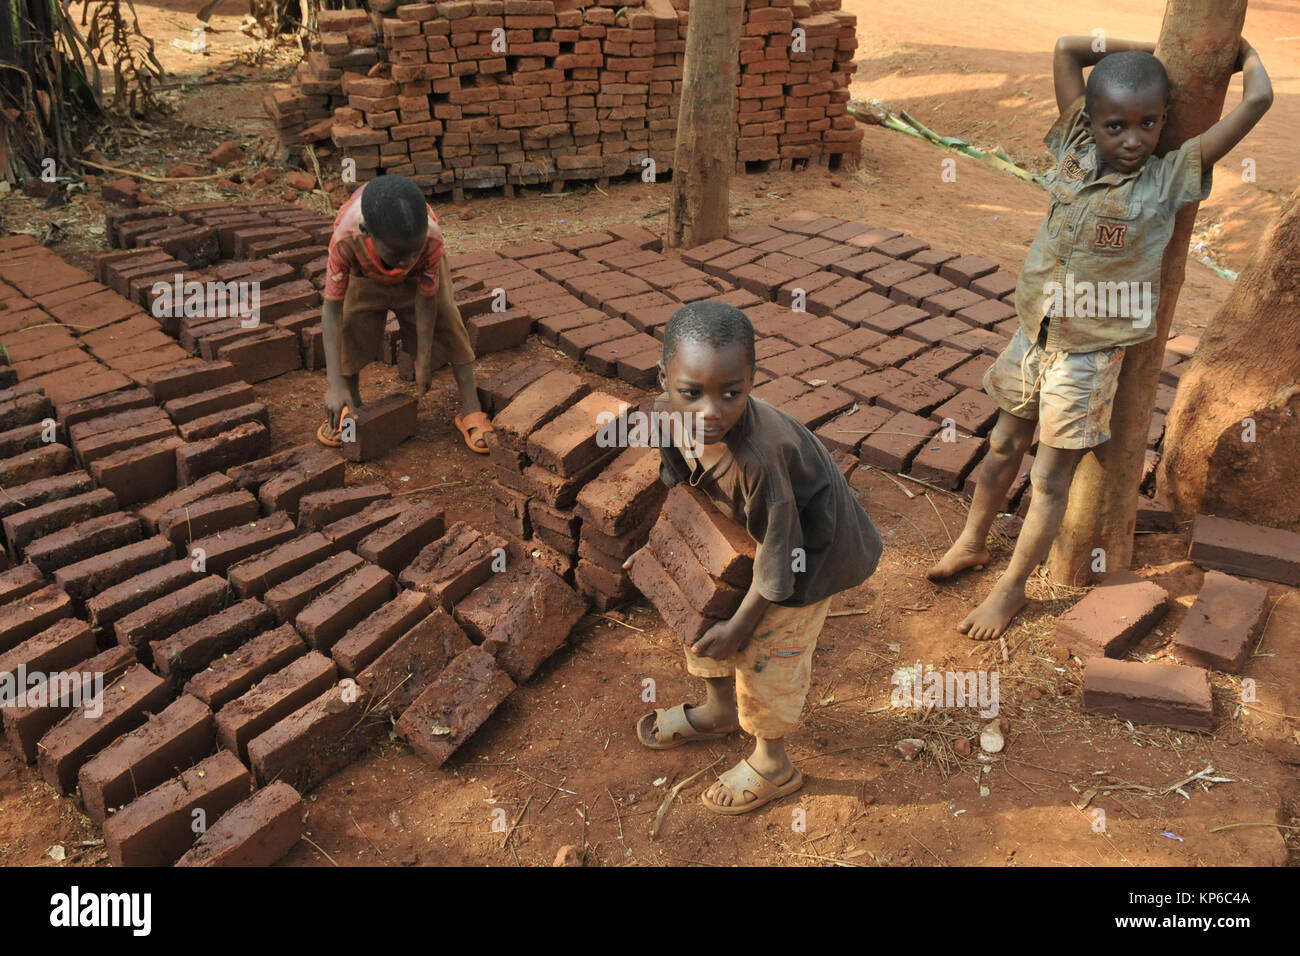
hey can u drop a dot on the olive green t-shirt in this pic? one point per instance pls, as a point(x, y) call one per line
point(1095, 263)
point(777, 481)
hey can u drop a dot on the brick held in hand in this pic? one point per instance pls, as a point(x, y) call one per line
point(724, 547)
point(1223, 624)
point(379, 426)
point(156, 829)
point(707, 594)
point(659, 588)
point(257, 832)
point(1168, 694)
point(180, 735)
point(399, 674)
point(454, 705)
point(233, 674)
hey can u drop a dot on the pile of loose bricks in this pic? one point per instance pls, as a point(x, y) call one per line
point(478, 94)
point(258, 624)
point(1219, 631)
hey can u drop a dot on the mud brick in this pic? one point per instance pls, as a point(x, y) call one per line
point(624, 494)
point(41, 520)
point(194, 460)
point(860, 264)
point(511, 510)
point(170, 612)
point(263, 354)
point(900, 247)
point(802, 330)
point(206, 516)
point(570, 442)
point(1154, 516)
point(706, 594)
point(535, 406)
point(1253, 551)
point(986, 313)
point(524, 618)
point(817, 406)
point(139, 473)
point(793, 362)
point(933, 330)
point(867, 388)
point(316, 740)
point(575, 342)
point(233, 674)
point(320, 508)
point(966, 269)
point(225, 548)
point(1166, 694)
point(346, 533)
point(970, 374)
point(209, 402)
point(288, 598)
point(210, 426)
point(496, 331)
point(381, 426)
point(1113, 617)
point(46, 704)
point(185, 380)
point(947, 463)
point(951, 301)
point(181, 735)
point(257, 832)
point(935, 362)
point(275, 697)
point(892, 352)
point(724, 548)
point(920, 396)
point(997, 285)
point(367, 640)
point(971, 411)
point(403, 670)
point(914, 291)
point(851, 343)
point(64, 644)
point(83, 540)
point(310, 470)
point(25, 409)
point(661, 590)
point(20, 581)
point(640, 369)
point(117, 601)
point(847, 432)
point(550, 329)
point(51, 362)
point(895, 443)
point(604, 587)
point(603, 359)
point(977, 340)
point(395, 545)
point(497, 391)
point(84, 409)
point(102, 424)
point(454, 705)
point(931, 259)
point(94, 447)
point(884, 279)
point(560, 491)
point(894, 320)
point(806, 287)
point(254, 576)
point(76, 738)
point(157, 828)
point(709, 250)
point(452, 566)
point(1223, 623)
point(205, 487)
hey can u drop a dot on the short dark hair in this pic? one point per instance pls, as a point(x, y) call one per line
point(714, 324)
point(1132, 71)
point(394, 210)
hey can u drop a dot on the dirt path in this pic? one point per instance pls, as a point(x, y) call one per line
point(563, 744)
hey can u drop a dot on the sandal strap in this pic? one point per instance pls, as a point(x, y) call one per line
point(671, 722)
point(743, 777)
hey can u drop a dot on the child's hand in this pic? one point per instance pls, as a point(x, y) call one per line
point(336, 397)
point(627, 565)
point(721, 641)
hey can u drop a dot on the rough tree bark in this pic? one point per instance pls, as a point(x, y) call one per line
point(705, 150)
point(1246, 367)
point(1198, 46)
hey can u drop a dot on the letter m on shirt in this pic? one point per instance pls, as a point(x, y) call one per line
point(1109, 235)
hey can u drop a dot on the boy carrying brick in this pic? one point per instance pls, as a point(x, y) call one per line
point(387, 254)
point(769, 474)
point(1111, 216)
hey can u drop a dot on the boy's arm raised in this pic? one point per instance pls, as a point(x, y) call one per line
point(1073, 53)
point(1256, 98)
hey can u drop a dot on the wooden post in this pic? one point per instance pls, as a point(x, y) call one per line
point(705, 152)
point(1198, 46)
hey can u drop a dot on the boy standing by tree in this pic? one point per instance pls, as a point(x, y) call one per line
point(1111, 216)
point(387, 253)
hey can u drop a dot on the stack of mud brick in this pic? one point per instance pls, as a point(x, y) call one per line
point(1218, 632)
point(477, 94)
point(253, 619)
point(696, 566)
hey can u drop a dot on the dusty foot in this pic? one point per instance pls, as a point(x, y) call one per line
point(713, 718)
point(959, 557)
point(777, 772)
point(991, 618)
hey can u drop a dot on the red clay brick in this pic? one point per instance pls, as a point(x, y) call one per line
point(257, 832)
point(1113, 617)
point(273, 698)
point(316, 740)
point(115, 602)
point(379, 426)
point(83, 540)
point(200, 404)
point(289, 597)
point(196, 459)
point(895, 444)
point(455, 564)
point(1245, 549)
point(319, 508)
point(191, 649)
point(461, 698)
point(847, 432)
point(233, 674)
point(1223, 624)
point(140, 473)
point(1166, 694)
point(724, 548)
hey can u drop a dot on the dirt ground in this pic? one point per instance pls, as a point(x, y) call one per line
point(560, 758)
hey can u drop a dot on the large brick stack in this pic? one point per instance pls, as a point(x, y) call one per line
point(497, 93)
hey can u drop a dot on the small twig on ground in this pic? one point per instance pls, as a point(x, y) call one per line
point(516, 823)
point(323, 853)
point(149, 177)
point(849, 613)
point(362, 832)
point(942, 523)
point(1264, 630)
point(552, 796)
point(663, 807)
point(442, 484)
point(901, 487)
point(545, 784)
point(826, 859)
point(1229, 826)
point(616, 815)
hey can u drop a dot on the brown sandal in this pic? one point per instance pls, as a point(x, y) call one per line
point(474, 427)
point(332, 438)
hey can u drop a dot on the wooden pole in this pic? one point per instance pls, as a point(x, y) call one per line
point(705, 151)
point(1198, 46)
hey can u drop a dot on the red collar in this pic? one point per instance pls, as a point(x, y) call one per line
point(378, 263)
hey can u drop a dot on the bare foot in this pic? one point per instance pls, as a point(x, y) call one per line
point(991, 618)
point(959, 557)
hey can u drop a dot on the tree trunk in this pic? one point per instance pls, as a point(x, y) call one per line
point(705, 152)
point(1245, 372)
point(1198, 46)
